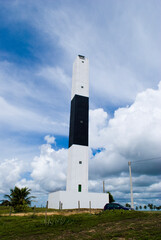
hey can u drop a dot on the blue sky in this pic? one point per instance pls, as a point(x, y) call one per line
point(39, 41)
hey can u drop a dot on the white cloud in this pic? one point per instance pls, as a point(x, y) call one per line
point(155, 187)
point(123, 52)
point(17, 118)
point(49, 139)
point(57, 77)
point(131, 127)
point(31, 184)
point(25, 106)
point(97, 121)
point(49, 169)
point(10, 172)
point(134, 133)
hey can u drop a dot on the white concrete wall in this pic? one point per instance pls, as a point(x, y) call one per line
point(77, 173)
point(53, 200)
point(70, 200)
point(80, 77)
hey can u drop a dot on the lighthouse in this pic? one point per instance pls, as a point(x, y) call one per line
point(77, 173)
point(76, 194)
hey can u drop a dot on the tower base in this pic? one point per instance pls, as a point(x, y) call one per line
point(73, 200)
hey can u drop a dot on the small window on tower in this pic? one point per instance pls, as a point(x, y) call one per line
point(79, 188)
point(81, 57)
point(80, 162)
point(82, 87)
point(82, 61)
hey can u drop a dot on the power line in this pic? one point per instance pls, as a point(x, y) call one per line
point(145, 160)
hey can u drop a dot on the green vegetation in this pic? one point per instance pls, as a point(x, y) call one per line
point(150, 206)
point(127, 205)
point(18, 199)
point(6, 210)
point(111, 198)
point(105, 225)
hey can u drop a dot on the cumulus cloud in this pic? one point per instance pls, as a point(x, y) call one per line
point(49, 169)
point(10, 173)
point(97, 121)
point(134, 133)
point(49, 139)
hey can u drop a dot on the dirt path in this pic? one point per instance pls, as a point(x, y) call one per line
point(64, 213)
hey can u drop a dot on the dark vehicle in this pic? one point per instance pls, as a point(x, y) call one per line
point(110, 206)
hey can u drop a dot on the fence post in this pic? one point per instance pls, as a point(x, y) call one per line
point(10, 211)
point(132, 201)
point(46, 212)
point(78, 204)
point(90, 206)
point(34, 209)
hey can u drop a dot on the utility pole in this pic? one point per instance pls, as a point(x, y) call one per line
point(103, 186)
point(132, 202)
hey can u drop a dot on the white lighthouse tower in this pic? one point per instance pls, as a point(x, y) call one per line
point(77, 173)
point(76, 194)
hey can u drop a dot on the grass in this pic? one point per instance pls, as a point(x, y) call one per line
point(6, 210)
point(105, 225)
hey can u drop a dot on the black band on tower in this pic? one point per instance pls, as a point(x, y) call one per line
point(78, 132)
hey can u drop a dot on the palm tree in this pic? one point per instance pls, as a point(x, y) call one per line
point(5, 203)
point(140, 207)
point(145, 207)
point(19, 198)
point(150, 205)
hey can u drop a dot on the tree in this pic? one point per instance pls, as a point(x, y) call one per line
point(140, 207)
point(5, 203)
point(145, 207)
point(111, 199)
point(19, 198)
point(127, 205)
point(150, 206)
point(136, 208)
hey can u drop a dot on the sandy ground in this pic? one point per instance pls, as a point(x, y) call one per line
point(64, 213)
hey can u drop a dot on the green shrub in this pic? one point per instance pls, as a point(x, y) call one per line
point(60, 220)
